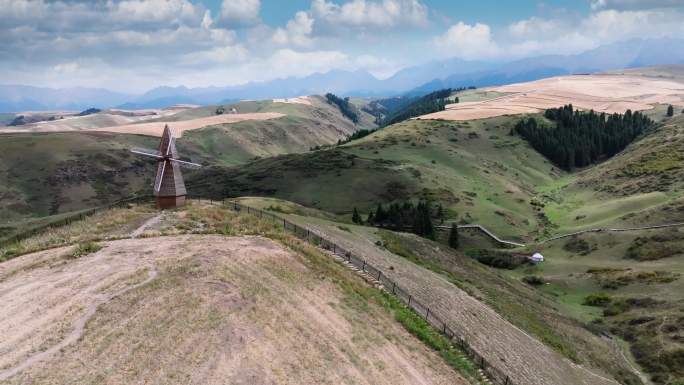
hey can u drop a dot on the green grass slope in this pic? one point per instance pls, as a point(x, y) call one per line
point(52, 173)
point(477, 170)
point(47, 174)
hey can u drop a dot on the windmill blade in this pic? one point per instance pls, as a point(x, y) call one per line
point(147, 152)
point(186, 164)
point(161, 177)
point(168, 148)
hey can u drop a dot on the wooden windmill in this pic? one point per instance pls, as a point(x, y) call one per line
point(169, 188)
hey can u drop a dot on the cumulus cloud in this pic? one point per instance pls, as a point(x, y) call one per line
point(368, 14)
point(467, 41)
point(239, 13)
point(297, 32)
point(560, 35)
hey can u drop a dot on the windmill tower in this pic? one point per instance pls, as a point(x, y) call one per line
point(169, 188)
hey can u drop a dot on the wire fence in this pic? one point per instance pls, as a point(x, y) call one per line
point(495, 375)
point(68, 219)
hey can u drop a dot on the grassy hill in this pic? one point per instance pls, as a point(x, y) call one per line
point(242, 303)
point(52, 173)
point(475, 169)
point(483, 175)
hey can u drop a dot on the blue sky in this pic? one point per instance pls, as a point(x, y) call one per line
point(493, 12)
point(135, 45)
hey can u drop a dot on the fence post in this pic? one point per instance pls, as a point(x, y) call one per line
point(409, 301)
point(334, 249)
point(427, 314)
point(506, 381)
point(363, 268)
point(379, 274)
point(394, 286)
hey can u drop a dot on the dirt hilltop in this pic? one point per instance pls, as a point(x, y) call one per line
point(196, 309)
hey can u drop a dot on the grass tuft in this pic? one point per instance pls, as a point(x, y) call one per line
point(83, 249)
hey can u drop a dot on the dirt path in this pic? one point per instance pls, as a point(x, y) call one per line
point(148, 224)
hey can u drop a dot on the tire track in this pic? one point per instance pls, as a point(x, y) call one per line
point(78, 328)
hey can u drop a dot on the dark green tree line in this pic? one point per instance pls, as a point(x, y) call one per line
point(432, 102)
point(404, 216)
point(346, 108)
point(578, 139)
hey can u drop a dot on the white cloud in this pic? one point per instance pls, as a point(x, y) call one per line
point(66, 68)
point(567, 35)
point(239, 13)
point(533, 27)
point(288, 62)
point(154, 11)
point(368, 14)
point(297, 32)
point(467, 41)
point(227, 55)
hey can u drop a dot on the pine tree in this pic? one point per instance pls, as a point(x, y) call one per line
point(356, 218)
point(440, 213)
point(579, 139)
point(453, 236)
point(380, 215)
point(670, 110)
point(370, 220)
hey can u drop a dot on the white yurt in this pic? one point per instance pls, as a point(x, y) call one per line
point(536, 258)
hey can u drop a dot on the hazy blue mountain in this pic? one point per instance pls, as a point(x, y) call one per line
point(627, 54)
point(24, 98)
point(414, 80)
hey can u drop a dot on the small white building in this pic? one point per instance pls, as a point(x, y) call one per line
point(536, 258)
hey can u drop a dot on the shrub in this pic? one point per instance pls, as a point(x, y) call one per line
point(533, 280)
point(83, 249)
point(577, 245)
point(615, 308)
point(496, 258)
point(598, 300)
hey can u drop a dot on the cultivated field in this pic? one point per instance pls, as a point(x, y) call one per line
point(199, 309)
point(56, 121)
point(179, 127)
point(603, 93)
point(298, 100)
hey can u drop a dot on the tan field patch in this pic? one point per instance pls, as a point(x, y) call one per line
point(156, 128)
point(298, 100)
point(106, 118)
point(198, 309)
point(602, 93)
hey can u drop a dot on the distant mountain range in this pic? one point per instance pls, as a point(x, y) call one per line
point(421, 79)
